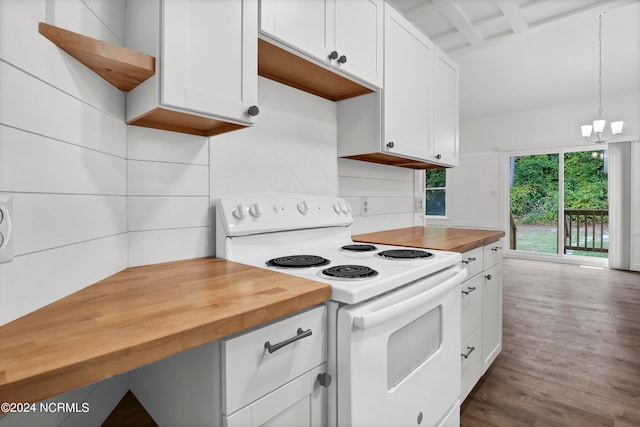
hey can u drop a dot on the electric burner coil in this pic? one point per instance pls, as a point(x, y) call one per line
point(350, 272)
point(298, 261)
point(405, 254)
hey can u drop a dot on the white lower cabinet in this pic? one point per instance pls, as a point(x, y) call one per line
point(237, 382)
point(282, 387)
point(299, 403)
point(481, 311)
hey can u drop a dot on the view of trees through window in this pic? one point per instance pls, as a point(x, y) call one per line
point(534, 199)
point(436, 188)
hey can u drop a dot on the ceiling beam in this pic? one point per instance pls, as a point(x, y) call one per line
point(514, 16)
point(452, 12)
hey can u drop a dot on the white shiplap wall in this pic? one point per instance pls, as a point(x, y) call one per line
point(63, 159)
point(168, 188)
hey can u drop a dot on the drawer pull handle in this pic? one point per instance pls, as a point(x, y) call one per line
point(275, 347)
point(469, 290)
point(495, 249)
point(324, 379)
point(468, 260)
point(468, 353)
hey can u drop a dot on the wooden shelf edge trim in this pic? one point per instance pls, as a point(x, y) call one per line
point(122, 67)
point(388, 159)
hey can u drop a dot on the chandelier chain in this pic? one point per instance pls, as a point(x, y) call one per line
point(600, 65)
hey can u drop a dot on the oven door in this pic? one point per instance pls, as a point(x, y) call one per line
point(398, 361)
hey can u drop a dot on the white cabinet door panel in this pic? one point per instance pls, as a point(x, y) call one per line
point(408, 90)
point(358, 36)
point(446, 110)
point(492, 315)
point(199, 37)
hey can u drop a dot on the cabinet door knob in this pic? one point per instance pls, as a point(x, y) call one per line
point(324, 379)
point(438, 156)
point(390, 144)
point(253, 111)
point(333, 55)
point(342, 59)
point(488, 276)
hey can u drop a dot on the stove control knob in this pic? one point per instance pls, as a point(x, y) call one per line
point(303, 207)
point(346, 209)
point(255, 210)
point(337, 207)
point(239, 212)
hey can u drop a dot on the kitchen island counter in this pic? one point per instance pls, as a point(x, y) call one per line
point(138, 316)
point(441, 238)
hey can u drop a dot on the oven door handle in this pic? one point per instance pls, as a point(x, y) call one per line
point(371, 319)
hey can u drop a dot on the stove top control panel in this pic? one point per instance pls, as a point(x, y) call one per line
point(255, 213)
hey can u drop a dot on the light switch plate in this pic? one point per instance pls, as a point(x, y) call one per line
point(6, 240)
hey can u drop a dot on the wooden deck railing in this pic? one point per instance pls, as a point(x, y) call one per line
point(585, 229)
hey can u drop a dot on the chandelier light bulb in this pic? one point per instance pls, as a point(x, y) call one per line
point(616, 127)
point(586, 131)
point(598, 125)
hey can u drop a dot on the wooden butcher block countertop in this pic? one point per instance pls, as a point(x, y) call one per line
point(138, 316)
point(442, 238)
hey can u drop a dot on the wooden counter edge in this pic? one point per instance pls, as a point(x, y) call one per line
point(52, 383)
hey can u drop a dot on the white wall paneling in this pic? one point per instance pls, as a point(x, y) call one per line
point(154, 213)
point(32, 281)
point(164, 146)
point(62, 157)
point(293, 148)
point(22, 46)
point(46, 221)
point(151, 247)
point(32, 163)
point(166, 179)
point(168, 203)
point(388, 191)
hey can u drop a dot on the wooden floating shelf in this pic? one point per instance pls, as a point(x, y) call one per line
point(124, 68)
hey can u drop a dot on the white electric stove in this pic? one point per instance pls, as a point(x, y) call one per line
point(394, 314)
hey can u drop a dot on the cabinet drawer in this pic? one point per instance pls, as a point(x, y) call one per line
point(249, 371)
point(472, 364)
point(493, 253)
point(473, 260)
point(471, 306)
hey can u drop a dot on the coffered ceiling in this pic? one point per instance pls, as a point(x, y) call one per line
point(460, 26)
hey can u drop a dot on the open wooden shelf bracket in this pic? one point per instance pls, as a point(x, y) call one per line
point(124, 68)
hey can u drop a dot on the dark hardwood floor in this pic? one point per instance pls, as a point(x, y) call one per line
point(571, 350)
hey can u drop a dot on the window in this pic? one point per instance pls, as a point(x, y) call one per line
point(436, 189)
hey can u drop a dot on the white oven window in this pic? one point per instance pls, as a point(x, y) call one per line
point(412, 345)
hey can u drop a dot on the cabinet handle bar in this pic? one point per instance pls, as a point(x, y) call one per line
point(275, 347)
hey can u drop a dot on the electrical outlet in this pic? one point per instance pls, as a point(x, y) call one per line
point(419, 205)
point(364, 208)
point(6, 242)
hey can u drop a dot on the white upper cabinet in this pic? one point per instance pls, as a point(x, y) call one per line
point(207, 58)
point(446, 110)
point(413, 122)
point(408, 94)
point(342, 34)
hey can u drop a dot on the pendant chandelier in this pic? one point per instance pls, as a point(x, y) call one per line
point(598, 125)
